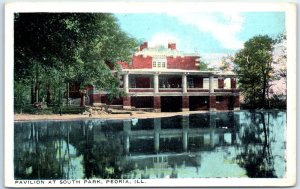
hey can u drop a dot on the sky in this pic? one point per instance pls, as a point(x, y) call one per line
point(210, 34)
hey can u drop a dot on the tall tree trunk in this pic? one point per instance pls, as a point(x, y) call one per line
point(48, 99)
point(59, 92)
point(253, 104)
point(32, 93)
point(68, 93)
point(263, 97)
point(59, 96)
point(36, 82)
point(36, 92)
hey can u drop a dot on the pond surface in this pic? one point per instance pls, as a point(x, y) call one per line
point(208, 145)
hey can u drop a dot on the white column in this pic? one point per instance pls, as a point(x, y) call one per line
point(126, 83)
point(184, 83)
point(211, 83)
point(156, 83)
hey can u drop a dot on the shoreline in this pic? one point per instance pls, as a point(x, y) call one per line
point(133, 115)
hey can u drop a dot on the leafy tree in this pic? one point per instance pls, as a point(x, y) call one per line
point(203, 66)
point(52, 49)
point(253, 64)
point(226, 63)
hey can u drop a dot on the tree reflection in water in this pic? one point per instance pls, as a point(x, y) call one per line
point(38, 153)
point(102, 152)
point(256, 156)
point(49, 150)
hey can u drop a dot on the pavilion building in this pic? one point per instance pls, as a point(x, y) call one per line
point(165, 79)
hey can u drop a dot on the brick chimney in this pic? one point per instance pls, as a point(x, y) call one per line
point(172, 46)
point(144, 46)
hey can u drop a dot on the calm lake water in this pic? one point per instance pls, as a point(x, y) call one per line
point(208, 145)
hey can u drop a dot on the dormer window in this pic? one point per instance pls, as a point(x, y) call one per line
point(154, 64)
point(159, 63)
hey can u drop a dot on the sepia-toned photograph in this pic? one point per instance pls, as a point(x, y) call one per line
point(171, 94)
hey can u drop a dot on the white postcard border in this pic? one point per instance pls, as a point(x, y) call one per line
point(122, 7)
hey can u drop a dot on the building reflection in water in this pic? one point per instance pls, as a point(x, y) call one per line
point(175, 143)
point(209, 145)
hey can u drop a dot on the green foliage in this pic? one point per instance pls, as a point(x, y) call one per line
point(203, 66)
point(68, 110)
point(29, 109)
point(226, 63)
point(52, 49)
point(21, 94)
point(277, 102)
point(254, 69)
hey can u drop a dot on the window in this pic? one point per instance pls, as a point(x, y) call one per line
point(154, 64)
point(159, 63)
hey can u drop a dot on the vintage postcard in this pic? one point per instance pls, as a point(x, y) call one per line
point(149, 94)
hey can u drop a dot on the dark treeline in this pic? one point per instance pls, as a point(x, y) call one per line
point(53, 49)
